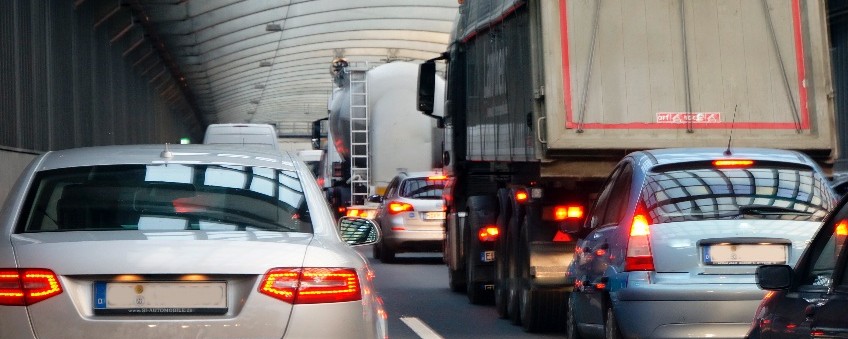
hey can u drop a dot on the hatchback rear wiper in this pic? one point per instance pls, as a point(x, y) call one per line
point(770, 210)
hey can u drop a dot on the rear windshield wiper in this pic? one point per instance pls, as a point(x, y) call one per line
point(770, 210)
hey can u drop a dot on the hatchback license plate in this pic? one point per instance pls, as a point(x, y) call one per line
point(160, 297)
point(744, 254)
point(434, 215)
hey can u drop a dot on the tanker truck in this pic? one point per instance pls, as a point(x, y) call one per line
point(544, 97)
point(374, 132)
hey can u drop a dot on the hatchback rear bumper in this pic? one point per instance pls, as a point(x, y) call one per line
point(723, 314)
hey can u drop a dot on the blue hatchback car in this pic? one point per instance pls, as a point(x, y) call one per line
point(671, 245)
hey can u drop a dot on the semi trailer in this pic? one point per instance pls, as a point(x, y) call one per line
point(542, 98)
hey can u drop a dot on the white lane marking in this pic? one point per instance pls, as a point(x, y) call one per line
point(420, 328)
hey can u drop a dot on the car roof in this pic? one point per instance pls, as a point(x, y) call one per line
point(418, 174)
point(654, 157)
point(156, 154)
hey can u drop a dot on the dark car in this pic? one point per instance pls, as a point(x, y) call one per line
point(811, 300)
point(671, 245)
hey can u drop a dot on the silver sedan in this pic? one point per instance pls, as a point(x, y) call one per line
point(186, 241)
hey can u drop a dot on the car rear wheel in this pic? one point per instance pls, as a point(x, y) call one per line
point(375, 251)
point(387, 255)
point(456, 280)
point(570, 322)
point(611, 330)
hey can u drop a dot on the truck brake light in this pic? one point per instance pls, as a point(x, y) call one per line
point(521, 196)
point(568, 212)
point(488, 233)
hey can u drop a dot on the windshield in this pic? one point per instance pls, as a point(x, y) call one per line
point(732, 193)
point(167, 197)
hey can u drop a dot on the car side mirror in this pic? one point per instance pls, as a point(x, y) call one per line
point(774, 277)
point(358, 231)
point(375, 198)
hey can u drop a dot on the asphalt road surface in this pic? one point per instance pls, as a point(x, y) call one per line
point(420, 304)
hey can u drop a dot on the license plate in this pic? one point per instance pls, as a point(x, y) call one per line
point(160, 297)
point(434, 215)
point(744, 254)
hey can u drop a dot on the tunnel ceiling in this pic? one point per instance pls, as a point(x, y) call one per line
point(269, 61)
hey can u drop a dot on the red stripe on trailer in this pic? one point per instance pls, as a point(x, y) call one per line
point(799, 64)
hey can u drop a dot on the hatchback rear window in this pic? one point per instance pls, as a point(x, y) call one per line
point(166, 197)
point(785, 193)
point(422, 188)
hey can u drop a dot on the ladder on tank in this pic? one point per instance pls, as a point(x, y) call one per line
point(359, 150)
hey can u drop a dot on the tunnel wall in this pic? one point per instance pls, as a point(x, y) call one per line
point(81, 73)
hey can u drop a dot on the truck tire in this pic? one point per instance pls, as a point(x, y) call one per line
point(481, 211)
point(502, 259)
point(514, 264)
point(541, 309)
point(456, 280)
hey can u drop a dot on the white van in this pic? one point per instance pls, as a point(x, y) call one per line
point(263, 136)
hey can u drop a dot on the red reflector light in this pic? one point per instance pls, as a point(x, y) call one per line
point(563, 237)
point(733, 163)
point(396, 207)
point(488, 233)
point(27, 286)
point(521, 196)
point(311, 285)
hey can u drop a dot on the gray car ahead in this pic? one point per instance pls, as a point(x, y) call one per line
point(670, 247)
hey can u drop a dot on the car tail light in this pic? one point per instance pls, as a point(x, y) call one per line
point(27, 286)
point(488, 233)
point(735, 163)
point(396, 207)
point(639, 256)
point(311, 285)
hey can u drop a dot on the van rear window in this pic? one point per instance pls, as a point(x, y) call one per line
point(166, 198)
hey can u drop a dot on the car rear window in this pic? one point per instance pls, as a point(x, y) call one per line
point(785, 193)
point(422, 188)
point(166, 197)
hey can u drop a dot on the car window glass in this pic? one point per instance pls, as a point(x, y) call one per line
point(167, 197)
point(701, 193)
point(618, 196)
point(599, 209)
point(422, 188)
point(390, 191)
point(823, 254)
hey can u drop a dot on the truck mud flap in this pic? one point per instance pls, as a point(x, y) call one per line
point(549, 263)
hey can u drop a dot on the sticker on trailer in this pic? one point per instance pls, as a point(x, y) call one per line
point(684, 117)
point(487, 256)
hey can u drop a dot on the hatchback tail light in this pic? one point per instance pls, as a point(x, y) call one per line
point(27, 286)
point(639, 256)
point(314, 285)
point(396, 207)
